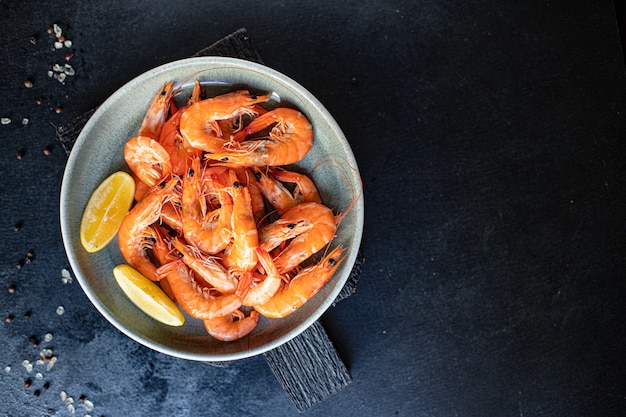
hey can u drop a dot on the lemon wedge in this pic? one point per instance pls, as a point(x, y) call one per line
point(148, 296)
point(105, 210)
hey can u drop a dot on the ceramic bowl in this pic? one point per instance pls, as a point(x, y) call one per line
point(98, 152)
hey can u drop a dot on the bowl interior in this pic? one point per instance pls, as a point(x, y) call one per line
point(98, 152)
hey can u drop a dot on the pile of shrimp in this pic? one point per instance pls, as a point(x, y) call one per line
point(218, 221)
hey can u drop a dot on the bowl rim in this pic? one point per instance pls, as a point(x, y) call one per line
point(209, 63)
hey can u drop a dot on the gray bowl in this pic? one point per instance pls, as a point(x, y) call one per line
point(98, 152)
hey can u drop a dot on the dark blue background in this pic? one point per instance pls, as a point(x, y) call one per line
point(490, 138)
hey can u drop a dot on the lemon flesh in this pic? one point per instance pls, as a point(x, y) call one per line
point(148, 296)
point(105, 210)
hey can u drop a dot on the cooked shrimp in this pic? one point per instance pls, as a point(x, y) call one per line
point(190, 296)
point(289, 140)
point(163, 254)
point(141, 188)
point(206, 267)
point(274, 234)
point(133, 231)
point(302, 287)
point(274, 191)
point(148, 160)
point(174, 144)
point(312, 240)
point(305, 189)
point(171, 216)
point(232, 326)
point(210, 232)
point(143, 154)
point(157, 112)
point(241, 254)
point(172, 141)
point(198, 123)
point(264, 290)
point(161, 249)
point(256, 197)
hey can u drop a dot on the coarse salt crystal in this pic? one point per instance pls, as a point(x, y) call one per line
point(38, 375)
point(7, 369)
point(47, 337)
point(57, 30)
point(69, 70)
point(67, 43)
point(60, 310)
point(24, 121)
point(5, 120)
point(61, 77)
point(70, 408)
point(66, 277)
point(88, 405)
point(58, 45)
point(56, 67)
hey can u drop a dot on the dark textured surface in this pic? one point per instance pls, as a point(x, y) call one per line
point(309, 368)
point(490, 138)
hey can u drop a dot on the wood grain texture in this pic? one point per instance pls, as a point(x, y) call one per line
point(308, 367)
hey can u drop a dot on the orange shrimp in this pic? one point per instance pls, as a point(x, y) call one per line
point(141, 188)
point(274, 234)
point(274, 191)
point(323, 230)
point(148, 159)
point(198, 123)
point(174, 144)
point(144, 155)
point(302, 287)
point(206, 267)
point(171, 216)
point(163, 254)
point(241, 254)
point(191, 297)
point(161, 249)
point(133, 231)
point(157, 112)
point(256, 197)
point(210, 232)
point(270, 282)
point(290, 139)
point(305, 189)
point(172, 141)
point(232, 326)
